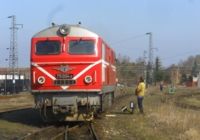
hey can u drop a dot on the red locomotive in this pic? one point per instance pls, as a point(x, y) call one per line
point(73, 73)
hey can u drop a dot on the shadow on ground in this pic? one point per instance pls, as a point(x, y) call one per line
point(26, 116)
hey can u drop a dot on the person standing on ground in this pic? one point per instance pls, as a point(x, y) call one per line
point(161, 86)
point(140, 91)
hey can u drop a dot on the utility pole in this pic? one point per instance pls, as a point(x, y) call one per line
point(150, 61)
point(144, 66)
point(13, 54)
point(5, 84)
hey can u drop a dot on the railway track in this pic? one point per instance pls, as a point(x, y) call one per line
point(93, 132)
point(54, 132)
point(182, 104)
point(47, 133)
point(83, 131)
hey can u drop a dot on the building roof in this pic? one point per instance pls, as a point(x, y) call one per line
point(25, 71)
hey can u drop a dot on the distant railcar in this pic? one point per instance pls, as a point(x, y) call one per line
point(73, 73)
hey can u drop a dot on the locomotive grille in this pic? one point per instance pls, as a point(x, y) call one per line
point(62, 82)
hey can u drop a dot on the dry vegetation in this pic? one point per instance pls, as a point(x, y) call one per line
point(193, 101)
point(12, 130)
point(179, 123)
point(15, 101)
point(184, 123)
point(162, 120)
point(13, 125)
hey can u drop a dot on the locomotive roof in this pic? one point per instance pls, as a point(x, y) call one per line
point(75, 30)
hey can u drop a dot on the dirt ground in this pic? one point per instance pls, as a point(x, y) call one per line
point(163, 119)
point(18, 123)
point(167, 117)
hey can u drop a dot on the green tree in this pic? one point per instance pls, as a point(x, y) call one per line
point(158, 72)
point(195, 68)
point(183, 78)
point(128, 72)
point(166, 77)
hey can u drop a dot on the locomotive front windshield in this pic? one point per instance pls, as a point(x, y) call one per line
point(81, 47)
point(48, 47)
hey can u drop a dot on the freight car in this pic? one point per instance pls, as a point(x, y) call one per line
point(73, 73)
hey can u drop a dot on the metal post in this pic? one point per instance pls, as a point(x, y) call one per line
point(6, 75)
point(150, 61)
point(144, 67)
point(5, 88)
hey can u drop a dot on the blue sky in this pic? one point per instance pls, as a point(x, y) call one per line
point(175, 25)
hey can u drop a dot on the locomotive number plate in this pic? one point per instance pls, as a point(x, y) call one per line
point(64, 76)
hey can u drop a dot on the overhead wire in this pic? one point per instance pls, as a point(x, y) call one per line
point(119, 42)
point(141, 35)
point(127, 39)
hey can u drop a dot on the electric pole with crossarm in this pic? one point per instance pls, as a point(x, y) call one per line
point(13, 54)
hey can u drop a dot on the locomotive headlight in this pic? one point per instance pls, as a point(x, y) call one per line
point(41, 80)
point(64, 30)
point(88, 79)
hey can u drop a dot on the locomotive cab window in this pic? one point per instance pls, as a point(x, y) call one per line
point(81, 47)
point(48, 47)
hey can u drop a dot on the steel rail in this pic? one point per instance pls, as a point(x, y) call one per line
point(45, 133)
point(93, 132)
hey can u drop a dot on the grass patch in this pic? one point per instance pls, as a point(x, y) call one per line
point(10, 130)
point(120, 91)
point(191, 101)
point(163, 120)
point(178, 123)
point(15, 101)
